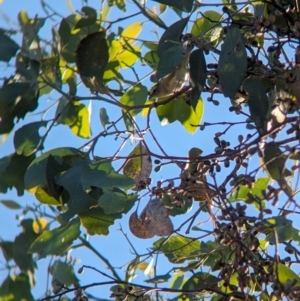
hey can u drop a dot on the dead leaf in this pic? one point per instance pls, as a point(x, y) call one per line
point(156, 218)
point(137, 227)
point(139, 168)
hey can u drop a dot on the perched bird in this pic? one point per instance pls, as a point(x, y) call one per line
point(173, 82)
point(196, 180)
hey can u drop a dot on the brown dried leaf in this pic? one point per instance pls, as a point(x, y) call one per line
point(156, 218)
point(137, 227)
point(139, 168)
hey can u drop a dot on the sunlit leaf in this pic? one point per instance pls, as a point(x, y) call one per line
point(200, 281)
point(135, 96)
point(207, 26)
point(131, 32)
point(39, 225)
point(119, 3)
point(81, 126)
point(127, 58)
point(178, 248)
point(96, 221)
point(179, 110)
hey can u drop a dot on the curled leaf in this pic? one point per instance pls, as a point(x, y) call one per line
point(139, 167)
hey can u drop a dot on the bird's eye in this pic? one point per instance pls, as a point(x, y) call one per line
point(152, 90)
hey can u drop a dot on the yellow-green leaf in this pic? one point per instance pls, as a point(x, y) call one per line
point(131, 32)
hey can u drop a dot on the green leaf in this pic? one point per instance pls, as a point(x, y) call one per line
point(12, 172)
point(207, 26)
point(274, 160)
point(243, 191)
point(56, 241)
point(179, 110)
point(16, 288)
point(112, 201)
point(96, 221)
point(284, 274)
point(36, 174)
point(8, 48)
point(200, 281)
point(118, 3)
point(131, 32)
point(27, 67)
point(101, 174)
point(178, 249)
point(232, 63)
point(151, 57)
point(71, 37)
point(177, 281)
point(81, 126)
point(104, 119)
point(83, 175)
point(11, 204)
point(197, 75)
point(184, 5)
point(16, 100)
point(169, 60)
point(7, 250)
point(128, 58)
point(21, 245)
point(171, 36)
point(135, 96)
point(72, 180)
point(159, 279)
point(67, 111)
point(92, 59)
point(89, 18)
point(27, 138)
point(284, 230)
point(64, 273)
point(258, 102)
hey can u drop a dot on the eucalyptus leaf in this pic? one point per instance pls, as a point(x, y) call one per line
point(179, 110)
point(91, 60)
point(27, 138)
point(56, 241)
point(8, 48)
point(233, 62)
point(184, 5)
point(258, 103)
point(171, 36)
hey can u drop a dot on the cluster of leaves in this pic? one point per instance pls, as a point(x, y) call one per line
point(86, 193)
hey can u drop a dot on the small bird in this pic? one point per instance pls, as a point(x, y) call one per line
point(198, 186)
point(174, 81)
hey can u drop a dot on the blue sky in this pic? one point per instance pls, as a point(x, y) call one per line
point(173, 138)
